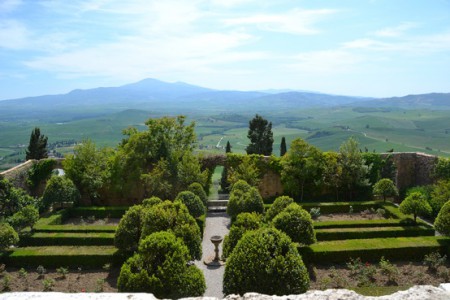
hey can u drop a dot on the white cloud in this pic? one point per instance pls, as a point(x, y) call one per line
point(13, 35)
point(395, 31)
point(296, 21)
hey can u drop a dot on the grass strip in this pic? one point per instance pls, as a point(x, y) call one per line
point(378, 290)
point(76, 228)
point(57, 256)
point(68, 239)
point(400, 248)
point(330, 234)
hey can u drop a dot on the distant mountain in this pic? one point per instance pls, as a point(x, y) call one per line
point(175, 98)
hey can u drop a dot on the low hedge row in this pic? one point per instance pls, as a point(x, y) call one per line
point(364, 223)
point(99, 212)
point(372, 232)
point(68, 239)
point(67, 256)
point(76, 228)
point(401, 248)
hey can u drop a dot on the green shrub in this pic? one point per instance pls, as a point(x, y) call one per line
point(442, 222)
point(68, 239)
point(244, 222)
point(278, 205)
point(40, 172)
point(374, 232)
point(385, 188)
point(99, 212)
point(296, 223)
point(151, 201)
point(160, 267)
point(439, 196)
point(173, 216)
point(198, 190)
point(315, 212)
point(129, 230)
point(416, 205)
point(60, 189)
point(265, 261)
point(193, 203)
point(8, 236)
point(26, 217)
point(244, 198)
point(434, 260)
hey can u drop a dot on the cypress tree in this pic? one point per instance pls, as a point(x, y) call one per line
point(37, 148)
point(224, 185)
point(283, 146)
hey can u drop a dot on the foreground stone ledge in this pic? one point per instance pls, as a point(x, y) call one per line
point(424, 292)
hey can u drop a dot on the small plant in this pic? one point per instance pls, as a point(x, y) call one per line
point(91, 219)
point(82, 221)
point(100, 284)
point(338, 280)
point(367, 274)
point(443, 273)
point(62, 271)
point(390, 270)
point(107, 267)
point(381, 212)
point(23, 273)
point(48, 284)
point(6, 281)
point(434, 260)
point(355, 266)
point(325, 283)
point(350, 210)
point(315, 213)
point(41, 271)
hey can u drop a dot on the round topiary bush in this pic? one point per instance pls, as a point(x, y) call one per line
point(128, 231)
point(442, 222)
point(8, 236)
point(244, 222)
point(415, 204)
point(174, 217)
point(193, 203)
point(161, 267)
point(244, 198)
point(296, 223)
point(198, 190)
point(60, 189)
point(265, 261)
point(278, 205)
point(151, 201)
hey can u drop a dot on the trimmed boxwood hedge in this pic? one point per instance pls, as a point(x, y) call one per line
point(57, 256)
point(401, 248)
point(372, 232)
point(68, 239)
point(98, 212)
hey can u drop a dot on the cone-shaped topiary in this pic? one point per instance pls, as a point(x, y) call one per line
point(160, 267)
point(442, 222)
point(197, 189)
point(244, 222)
point(128, 232)
point(296, 223)
point(278, 205)
point(265, 261)
point(193, 203)
point(244, 198)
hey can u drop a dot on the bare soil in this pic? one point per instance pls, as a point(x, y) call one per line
point(351, 216)
point(76, 281)
point(91, 221)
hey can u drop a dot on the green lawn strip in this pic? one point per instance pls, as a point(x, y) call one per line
point(57, 256)
point(378, 290)
point(364, 223)
point(400, 248)
point(68, 239)
point(76, 228)
point(330, 234)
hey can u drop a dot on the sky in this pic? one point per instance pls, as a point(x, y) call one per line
point(376, 48)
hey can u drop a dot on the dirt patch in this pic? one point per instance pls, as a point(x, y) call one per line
point(399, 274)
point(91, 221)
point(351, 216)
point(75, 281)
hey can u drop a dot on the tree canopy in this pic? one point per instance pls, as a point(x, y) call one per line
point(260, 135)
point(37, 148)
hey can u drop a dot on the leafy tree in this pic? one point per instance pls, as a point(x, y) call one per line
point(267, 262)
point(161, 267)
point(175, 217)
point(13, 199)
point(332, 172)
point(260, 135)
point(442, 222)
point(244, 198)
point(129, 230)
point(440, 194)
point(26, 217)
point(193, 203)
point(385, 188)
point(278, 206)
point(415, 204)
point(442, 169)
point(283, 148)
point(89, 169)
point(354, 169)
point(198, 190)
point(296, 223)
point(246, 171)
point(8, 236)
point(302, 166)
point(37, 148)
point(244, 223)
point(60, 189)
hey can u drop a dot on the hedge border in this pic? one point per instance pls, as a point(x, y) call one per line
point(372, 232)
point(68, 239)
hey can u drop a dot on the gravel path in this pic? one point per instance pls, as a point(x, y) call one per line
point(217, 223)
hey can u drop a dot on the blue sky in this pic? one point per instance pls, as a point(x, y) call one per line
point(374, 48)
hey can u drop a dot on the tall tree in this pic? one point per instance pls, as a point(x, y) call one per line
point(283, 147)
point(224, 184)
point(260, 135)
point(37, 148)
